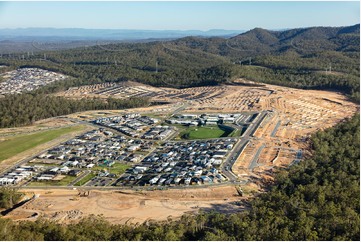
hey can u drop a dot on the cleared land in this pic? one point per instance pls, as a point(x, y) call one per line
point(293, 116)
point(41, 125)
point(280, 138)
point(127, 206)
point(12, 146)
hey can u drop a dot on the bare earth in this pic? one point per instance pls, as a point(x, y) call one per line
point(296, 114)
point(126, 206)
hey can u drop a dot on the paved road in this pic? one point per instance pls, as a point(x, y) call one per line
point(254, 125)
point(181, 108)
point(231, 159)
point(149, 188)
point(240, 145)
point(275, 129)
point(254, 162)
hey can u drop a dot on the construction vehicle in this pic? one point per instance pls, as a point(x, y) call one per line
point(83, 193)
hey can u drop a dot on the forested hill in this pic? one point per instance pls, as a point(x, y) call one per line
point(317, 57)
point(317, 199)
point(301, 40)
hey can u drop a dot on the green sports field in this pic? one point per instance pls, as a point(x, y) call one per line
point(20, 143)
point(206, 132)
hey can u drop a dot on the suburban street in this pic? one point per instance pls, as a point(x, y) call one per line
point(240, 145)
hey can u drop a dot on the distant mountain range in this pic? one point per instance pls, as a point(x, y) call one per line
point(230, 43)
point(293, 57)
point(260, 41)
point(54, 34)
point(318, 38)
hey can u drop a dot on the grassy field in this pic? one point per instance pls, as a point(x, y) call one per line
point(117, 168)
point(63, 182)
point(238, 132)
point(85, 179)
point(20, 143)
point(206, 132)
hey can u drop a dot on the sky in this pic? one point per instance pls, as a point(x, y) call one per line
point(178, 15)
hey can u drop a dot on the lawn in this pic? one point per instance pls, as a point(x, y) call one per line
point(63, 182)
point(20, 143)
point(238, 132)
point(206, 132)
point(117, 168)
point(85, 179)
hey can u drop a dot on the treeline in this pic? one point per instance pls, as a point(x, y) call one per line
point(189, 63)
point(305, 79)
point(317, 199)
point(181, 70)
point(24, 109)
point(9, 197)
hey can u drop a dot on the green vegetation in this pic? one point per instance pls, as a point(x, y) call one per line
point(9, 197)
point(317, 199)
point(296, 58)
point(235, 133)
point(24, 109)
point(238, 132)
point(116, 168)
point(205, 132)
point(85, 179)
point(20, 143)
point(41, 163)
point(63, 182)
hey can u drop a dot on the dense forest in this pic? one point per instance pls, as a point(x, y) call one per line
point(317, 199)
point(318, 58)
point(24, 109)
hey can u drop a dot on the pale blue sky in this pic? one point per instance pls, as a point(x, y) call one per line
point(178, 15)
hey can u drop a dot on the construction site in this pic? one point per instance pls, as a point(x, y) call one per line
point(294, 114)
point(278, 137)
point(126, 206)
